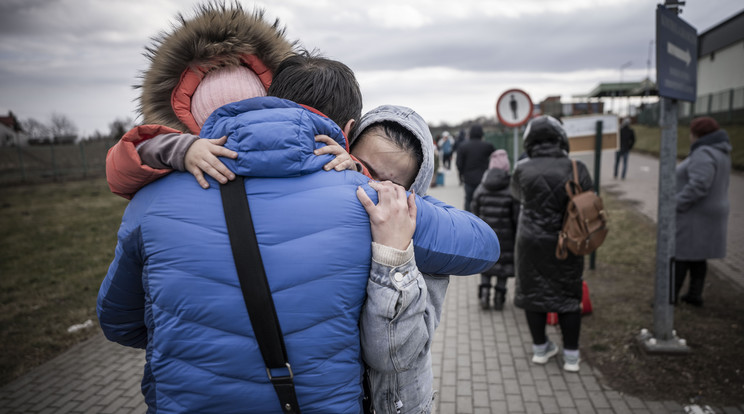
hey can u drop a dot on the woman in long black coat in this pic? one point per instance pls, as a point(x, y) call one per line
point(544, 283)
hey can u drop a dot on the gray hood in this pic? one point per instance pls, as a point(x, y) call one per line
point(413, 122)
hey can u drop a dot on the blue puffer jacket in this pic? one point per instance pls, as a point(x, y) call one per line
point(172, 287)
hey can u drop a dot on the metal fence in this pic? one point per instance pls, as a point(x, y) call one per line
point(726, 106)
point(35, 163)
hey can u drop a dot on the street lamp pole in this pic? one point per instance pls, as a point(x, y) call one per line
point(622, 68)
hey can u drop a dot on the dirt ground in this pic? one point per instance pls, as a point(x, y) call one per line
point(621, 290)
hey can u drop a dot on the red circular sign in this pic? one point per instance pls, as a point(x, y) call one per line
point(514, 108)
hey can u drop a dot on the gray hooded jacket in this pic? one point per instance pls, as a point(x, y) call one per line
point(403, 306)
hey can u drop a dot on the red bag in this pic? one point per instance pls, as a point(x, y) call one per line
point(586, 305)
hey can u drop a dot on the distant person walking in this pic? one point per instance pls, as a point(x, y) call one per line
point(544, 283)
point(702, 205)
point(627, 140)
point(446, 144)
point(472, 161)
point(493, 203)
point(459, 140)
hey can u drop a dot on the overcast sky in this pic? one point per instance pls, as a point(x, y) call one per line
point(449, 60)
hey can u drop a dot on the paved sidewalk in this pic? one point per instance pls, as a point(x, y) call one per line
point(481, 361)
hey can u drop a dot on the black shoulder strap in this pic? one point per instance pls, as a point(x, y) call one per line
point(256, 292)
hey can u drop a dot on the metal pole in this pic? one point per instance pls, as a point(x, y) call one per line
point(597, 169)
point(666, 229)
point(664, 338)
point(516, 146)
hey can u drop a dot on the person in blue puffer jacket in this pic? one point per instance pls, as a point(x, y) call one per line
point(173, 290)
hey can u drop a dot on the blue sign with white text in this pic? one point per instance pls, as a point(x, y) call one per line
point(676, 56)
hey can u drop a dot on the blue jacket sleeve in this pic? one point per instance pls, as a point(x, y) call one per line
point(121, 298)
point(450, 241)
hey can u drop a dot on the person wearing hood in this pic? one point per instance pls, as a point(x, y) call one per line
point(172, 287)
point(472, 161)
point(247, 46)
point(545, 283)
point(393, 143)
point(396, 340)
point(702, 206)
point(494, 204)
point(173, 258)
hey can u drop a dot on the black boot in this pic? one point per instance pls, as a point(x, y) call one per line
point(499, 298)
point(483, 294)
point(694, 294)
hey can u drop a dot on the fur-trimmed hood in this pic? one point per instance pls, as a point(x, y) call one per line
point(217, 35)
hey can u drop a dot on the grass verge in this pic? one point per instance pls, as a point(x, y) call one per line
point(57, 242)
point(622, 291)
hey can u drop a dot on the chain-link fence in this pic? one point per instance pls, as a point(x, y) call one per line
point(503, 138)
point(35, 163)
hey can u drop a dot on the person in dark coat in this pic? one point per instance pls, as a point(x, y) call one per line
point(472, 161)
point(702, 205)
point(627, 140)
point(543, 282)
point(459, 140)
point(493, 203)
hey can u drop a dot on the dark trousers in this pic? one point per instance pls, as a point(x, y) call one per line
point(621, 156)
point(500, 282)
point(469, 189)
point(447, 160)
point(570, 324)
point(697, 270)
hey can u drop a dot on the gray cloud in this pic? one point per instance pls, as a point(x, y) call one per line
point(75, 50)
point(564, 42)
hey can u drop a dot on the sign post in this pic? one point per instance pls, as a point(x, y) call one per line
point(676, 73)
point(514, 108)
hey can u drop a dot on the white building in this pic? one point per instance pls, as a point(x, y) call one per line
point(720, 73)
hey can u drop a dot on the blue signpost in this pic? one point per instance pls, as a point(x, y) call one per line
point(676, 56)
point(676, 77)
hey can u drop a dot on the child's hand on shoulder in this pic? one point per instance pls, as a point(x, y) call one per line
point(342, 161)
point(201, 157)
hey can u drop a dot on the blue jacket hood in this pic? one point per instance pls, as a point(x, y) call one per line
point(253, 127)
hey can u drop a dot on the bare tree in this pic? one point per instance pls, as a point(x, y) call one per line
point(35, 129)
point(62, 128)
point(119, 127)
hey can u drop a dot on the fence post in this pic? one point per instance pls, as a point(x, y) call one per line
point(20, 160)
point(731, 105)
point(710, 104)
point(597, 168)
point(54, 161)
point(83, 159)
